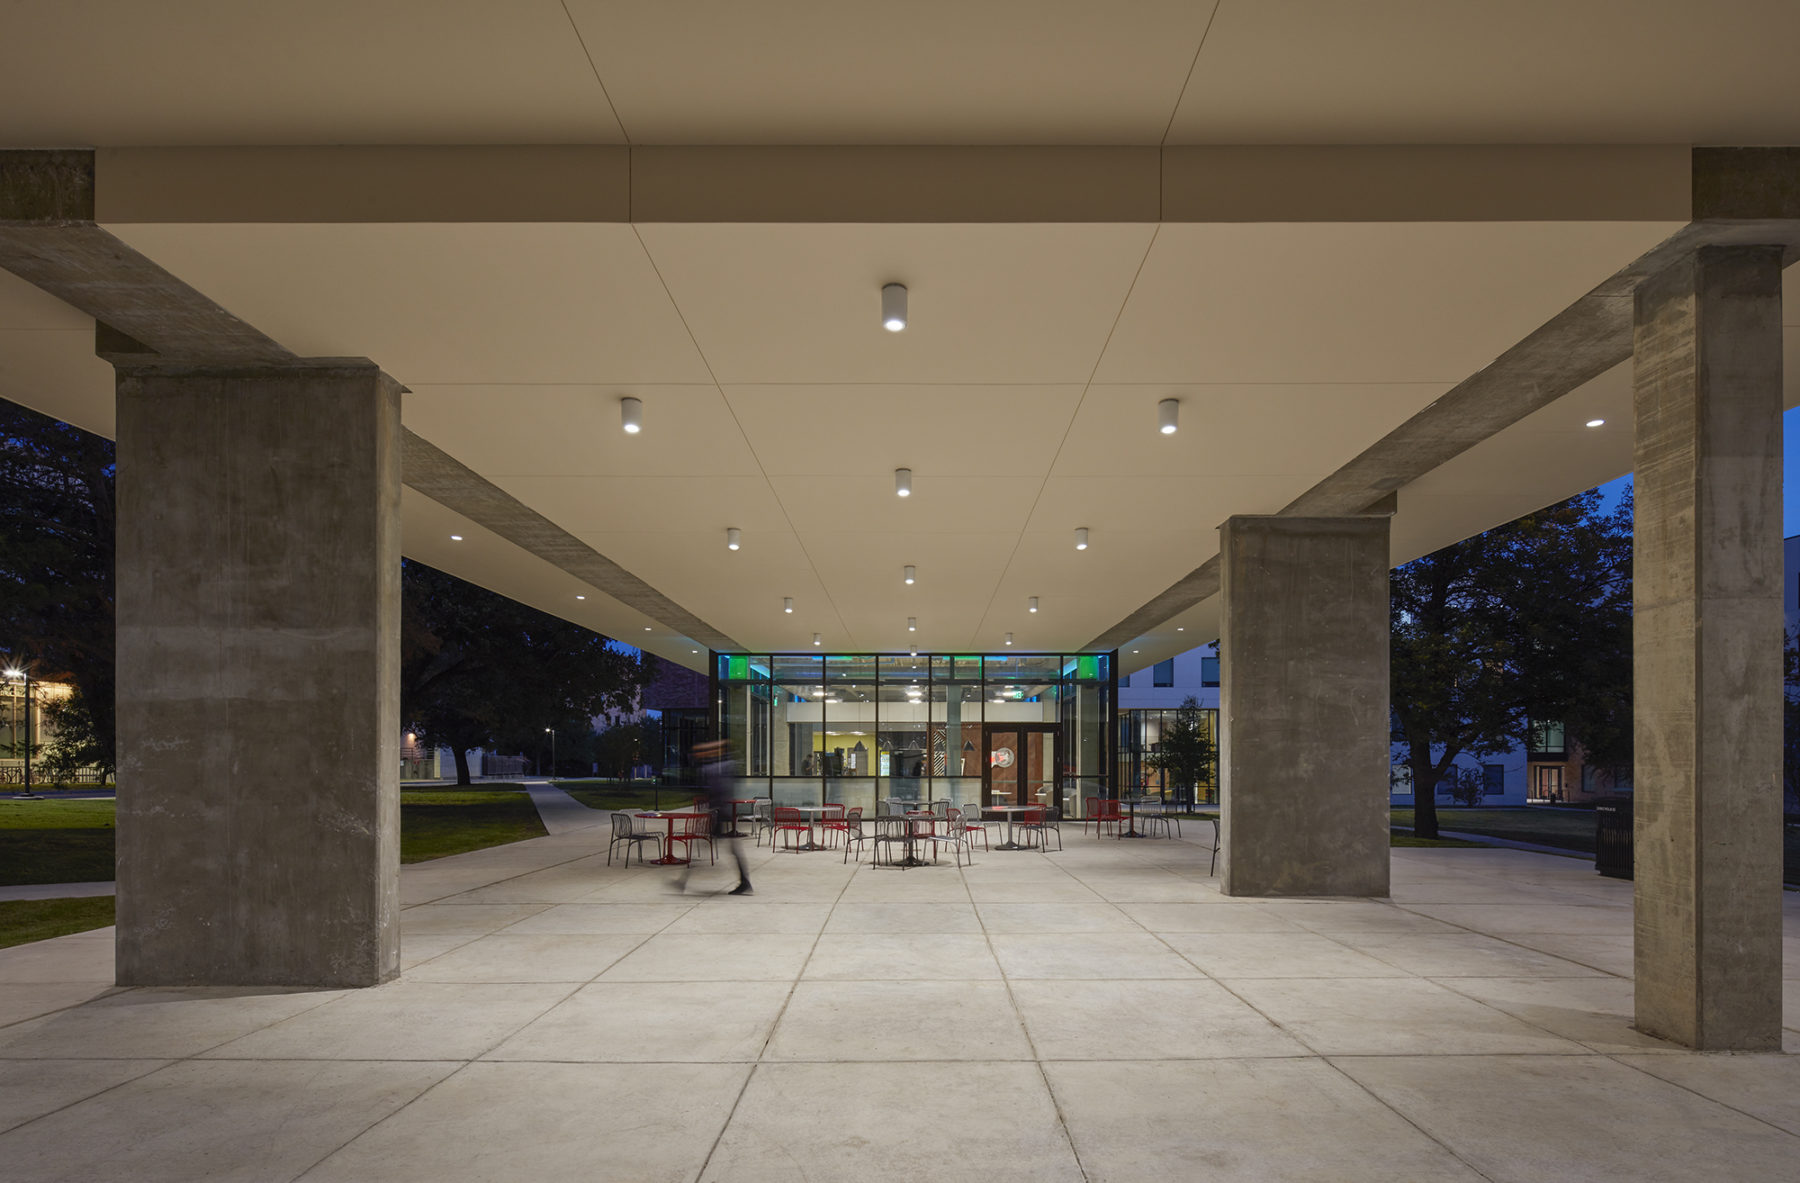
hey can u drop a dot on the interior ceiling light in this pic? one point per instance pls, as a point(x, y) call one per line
point(893, 307)
point(787, 604)
point(1009, 638)
point(915, 652)
point(908, 575)
point(903, 482)
point(631, 415)
point(1596, 423)
point(819, 693)
point(646, 628)
point(1032, 604)
point(912, 624)
point(818, 640)
point(1081, 538)
point(579, 596)
point(456, 537)
point(1167, 411)
point(733, 537)
point(1181, 628)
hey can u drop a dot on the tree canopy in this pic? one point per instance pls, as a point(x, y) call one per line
point(481, 671)
point(56, 569)
point(1185, 754)
point(1527, 623)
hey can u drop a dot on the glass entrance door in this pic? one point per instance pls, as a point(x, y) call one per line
point(1021, 765)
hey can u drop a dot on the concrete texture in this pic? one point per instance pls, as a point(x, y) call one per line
point(258, 675)
point(560, 812)
point(1303, 756)
point(1708, 677)
point(816, 1028)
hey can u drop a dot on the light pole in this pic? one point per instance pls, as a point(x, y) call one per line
point(551, 731)
point(15, 674)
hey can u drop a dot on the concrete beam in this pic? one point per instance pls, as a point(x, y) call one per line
point(1707, 689)
point(258, 675)
point(48, 237)
point(1303, 707)
point(895, 184)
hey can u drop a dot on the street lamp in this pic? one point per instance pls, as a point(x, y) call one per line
point(16, 674)
point(551, 732)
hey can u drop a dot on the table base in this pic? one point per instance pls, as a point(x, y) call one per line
point(668, 860)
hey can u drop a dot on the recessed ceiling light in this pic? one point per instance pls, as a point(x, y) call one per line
point(893, 307)
point(903, 482)
point(693, 651)
point(787, 604)
point(631, 415)
point(1081, 538)
point(907, 574)
point(1033, 604)
point(456, 537)
point(646, 628)
point(1134, 650)
point(1167, 412)
point(1181, 628)
point(733, 537)
point(1596, 423)
point(579, 596)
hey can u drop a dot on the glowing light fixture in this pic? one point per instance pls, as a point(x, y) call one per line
point(1033, 604)
point(907, 574)
point(1081, 538)
point(817, 640)
point(787, 604)
point(579, 596)
point(631, 414)
point(1009, 638)
point(646, 628)
point(903, 482)
point(912, 624)
point(733, 538)
point(1167, 411)
point(893, 307)
point(1596, 423)
point(456, 537)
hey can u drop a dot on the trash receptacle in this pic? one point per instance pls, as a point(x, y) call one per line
point(1612, 838)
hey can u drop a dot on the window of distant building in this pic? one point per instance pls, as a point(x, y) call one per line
point(1547, 739)
point(1493, 780)
point(1209, 671)
point(1164, 673)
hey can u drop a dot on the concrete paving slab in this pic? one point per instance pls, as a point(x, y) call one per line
point(31, 1088)
point(889, 1022)
point(1391, 1016)
point(1145, 1020)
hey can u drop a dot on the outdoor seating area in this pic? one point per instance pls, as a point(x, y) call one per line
point(1116, 1017)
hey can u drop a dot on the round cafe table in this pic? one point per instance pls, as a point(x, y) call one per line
point(668, 859)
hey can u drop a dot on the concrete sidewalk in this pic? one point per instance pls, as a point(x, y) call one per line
point(562, 814)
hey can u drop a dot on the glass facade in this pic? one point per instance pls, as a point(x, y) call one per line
point(886, 732)
point(1140, 739)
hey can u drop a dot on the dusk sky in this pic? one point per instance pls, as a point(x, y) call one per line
point(1790, 485)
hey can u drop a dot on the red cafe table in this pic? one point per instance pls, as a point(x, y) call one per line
point(668, 859)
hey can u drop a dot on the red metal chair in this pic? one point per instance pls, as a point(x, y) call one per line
point(1036, 820)
point(788, 821)
point(1091, 814)
point(696, 829)
point(972, 825)
point(841, 823)
point(1110, 815)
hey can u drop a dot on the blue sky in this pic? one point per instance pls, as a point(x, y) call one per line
point(1790, 483)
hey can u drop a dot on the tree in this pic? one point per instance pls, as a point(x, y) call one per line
point(620, 748)
point(1186, 753)
point(480, 670)
point(1529, 622)
point(56, 565)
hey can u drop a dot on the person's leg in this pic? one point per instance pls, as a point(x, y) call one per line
point(737, 852)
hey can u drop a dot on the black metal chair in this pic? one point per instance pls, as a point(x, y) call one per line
point(627, 834)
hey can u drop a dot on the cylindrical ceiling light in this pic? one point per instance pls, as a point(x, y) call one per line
point(734, 537)
point(903, 482)
point(1167, 411)
point(1033, 604)
point(818, 640)
point(912, 624)
point(1009, 638)
point(787, 604)
point(893, 307)
point(907, 574)
point(631, 415)
point(1081, 538)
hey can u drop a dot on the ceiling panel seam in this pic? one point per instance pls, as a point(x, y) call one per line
point(1186, 81)
point(761, 468)
point(604, 94)
point(1075, 414)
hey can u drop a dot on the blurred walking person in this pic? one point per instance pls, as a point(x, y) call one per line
point(716, 773)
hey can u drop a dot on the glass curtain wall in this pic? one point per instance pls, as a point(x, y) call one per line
point(1140, 742)
point(891, 732)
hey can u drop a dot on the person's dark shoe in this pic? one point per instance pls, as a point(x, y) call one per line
point(741, 889)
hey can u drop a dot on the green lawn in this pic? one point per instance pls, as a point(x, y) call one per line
point(38, 920)
point(72, 841)
point(441, 821)
point(1567, 829)
point(609, 795)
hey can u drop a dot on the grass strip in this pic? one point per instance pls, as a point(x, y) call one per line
point(22, 921)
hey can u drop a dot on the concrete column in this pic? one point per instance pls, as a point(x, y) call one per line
point(258, 675)
point(1304, 702)
point(1708, 677)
